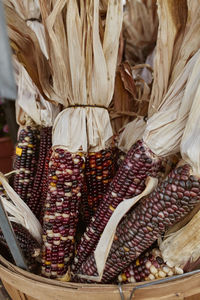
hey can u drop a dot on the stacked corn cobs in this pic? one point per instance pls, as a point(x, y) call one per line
point(27, 152)
point(171, 201)
point(129, 181)
point(61, 211)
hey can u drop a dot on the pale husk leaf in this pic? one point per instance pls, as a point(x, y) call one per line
point(92, 64)
point(183, 246)
point(19, 211)
point(171, 18)
point(165, 128)
point(190, 40)
point(132, 132)
point(27, 49)
point(27, 9)
point(190, 144)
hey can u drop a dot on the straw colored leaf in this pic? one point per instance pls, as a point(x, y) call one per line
point(171, 18)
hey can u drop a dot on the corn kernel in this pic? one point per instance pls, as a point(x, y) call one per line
point(126, 249)
point(137, 262)
point(123, 276)
point(111, 208)
point(60, 265)
point(53, 184)
point(47, 262)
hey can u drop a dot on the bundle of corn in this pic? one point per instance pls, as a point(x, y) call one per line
point(86, 103)
point(140, 29)
point(181, 248)
point(160, 139)
point(42, 113)
point(25, 225)
point(162, 136)
point(148, 266)
point(32, 102)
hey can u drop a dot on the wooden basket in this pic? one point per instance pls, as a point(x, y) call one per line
point(23, 285)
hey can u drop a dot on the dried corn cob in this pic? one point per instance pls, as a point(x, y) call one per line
point(26, 161)
point(148, 266)
point(34, 202)
point(65, 179)
point(45, 184)
point(99, 171)
point(129, 181)
point(173, 199)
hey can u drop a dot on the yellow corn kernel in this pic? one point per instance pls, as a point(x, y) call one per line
point(137, 262)
point(47, 262)
point(105, 181)
point(53, 184)
point(149, 228)
point(54, 177)
point(111, 208)
point(30, 145)
point(91, 153)
point(124, 278)
point(126, 249)
point(60, 265)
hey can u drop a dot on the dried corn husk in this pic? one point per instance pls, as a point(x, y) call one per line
point(172, 18)
point(182, 248)
point(27, 9)
point(27, 49)
point(132, 132)
point(140, 29)
point(190, 39)
point(42, 112)
point(19, 212)
point(165, 128)
point(94, 62)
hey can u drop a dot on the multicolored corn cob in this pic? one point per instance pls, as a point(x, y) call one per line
point(99, 171)
point(65, 180)
point(172, 200)
point(27, 151)
point(148, 266)
point(34, 202)
point(129, 181)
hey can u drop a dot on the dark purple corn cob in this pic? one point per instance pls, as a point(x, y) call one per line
point(99, 171)
point(26, 158)
point(29, 246)
point(65, 180)
point(34, 202)
point(129, 181)
point(148, 266)
point(45, 184)
point(172, 200)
